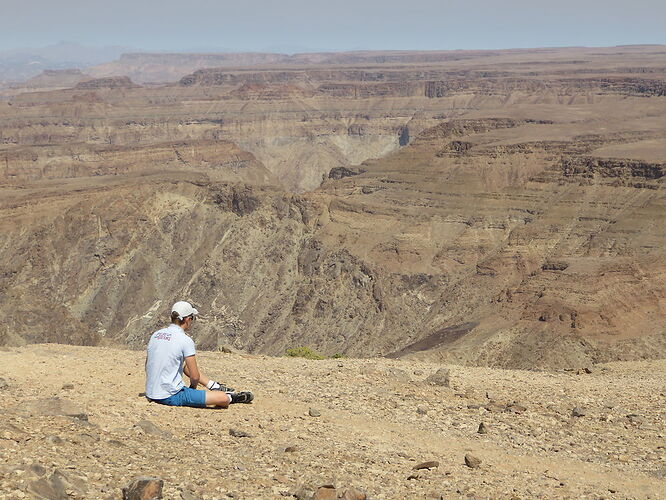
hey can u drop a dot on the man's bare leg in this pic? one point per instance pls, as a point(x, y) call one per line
point(217, 398)
point(213, 398)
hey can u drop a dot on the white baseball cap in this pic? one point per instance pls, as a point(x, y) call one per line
point(184, 309)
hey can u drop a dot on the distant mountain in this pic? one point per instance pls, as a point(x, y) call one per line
point(56, 78)
point(18, 65)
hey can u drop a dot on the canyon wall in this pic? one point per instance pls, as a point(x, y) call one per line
point(497, 209)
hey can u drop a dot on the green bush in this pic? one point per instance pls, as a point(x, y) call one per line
point(303, 352)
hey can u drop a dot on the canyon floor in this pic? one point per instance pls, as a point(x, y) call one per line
point(379, 419)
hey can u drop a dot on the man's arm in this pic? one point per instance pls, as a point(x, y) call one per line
point(192, 371)
point(203, 380)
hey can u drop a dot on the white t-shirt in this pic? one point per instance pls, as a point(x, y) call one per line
point(167, 350)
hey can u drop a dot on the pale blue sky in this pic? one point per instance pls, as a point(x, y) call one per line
point(299, 25)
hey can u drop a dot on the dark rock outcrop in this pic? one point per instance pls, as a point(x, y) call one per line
point(338, 173)
point(143, 488)
point(112, 82)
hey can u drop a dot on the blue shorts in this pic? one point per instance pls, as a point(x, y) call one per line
point(185, 397)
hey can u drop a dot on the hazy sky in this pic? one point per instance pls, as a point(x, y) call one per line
point(331, 24)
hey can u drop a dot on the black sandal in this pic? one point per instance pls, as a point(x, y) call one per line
point(241, 397)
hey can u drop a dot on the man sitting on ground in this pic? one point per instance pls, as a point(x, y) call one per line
point(171, 353)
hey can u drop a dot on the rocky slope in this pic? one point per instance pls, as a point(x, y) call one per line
point(75, 426)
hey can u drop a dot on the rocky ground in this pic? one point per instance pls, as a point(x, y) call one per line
point(74, 425)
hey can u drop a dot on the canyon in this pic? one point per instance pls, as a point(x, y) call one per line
point(488, 208)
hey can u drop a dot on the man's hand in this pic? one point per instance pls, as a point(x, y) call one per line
point(216, 386)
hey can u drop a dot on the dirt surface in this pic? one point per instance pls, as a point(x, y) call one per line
point(378, 420)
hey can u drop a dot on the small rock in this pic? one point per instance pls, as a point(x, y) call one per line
point(413, 476)
point(326, 492)
point(399, 375)
point(470, 393)
point(291, 449)
point(516, 408)
point(58, 485)
point(313, 412)
point(472, 462)
point(55, 407)
point(44, 488)
point(188, 495)
point(634, 419)
point(143, 488)
point(421, 410)
point(659, 473)
point(3, 384)
point(304, 493)
point(427, 465)
point(54, 440)
point(37, 469)
point(578, 412)
point(238, 433)
point(353, 494)
point(495, 407)
point(491, 396)
point(67, 387)
point(150, 428)
point(86, 438)
point(482, 428)
point(441, 377)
